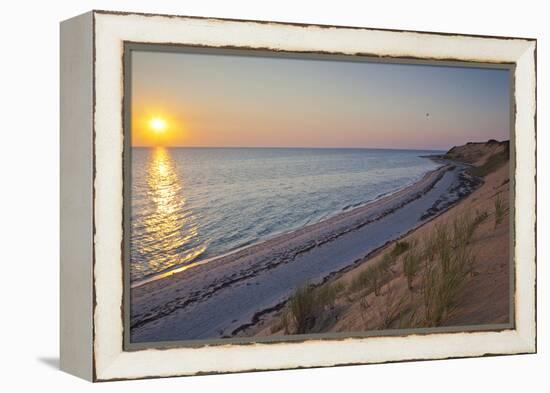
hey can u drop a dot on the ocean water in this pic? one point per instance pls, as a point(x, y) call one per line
point(191, 204)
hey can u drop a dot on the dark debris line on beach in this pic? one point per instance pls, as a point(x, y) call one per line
point(464, 187)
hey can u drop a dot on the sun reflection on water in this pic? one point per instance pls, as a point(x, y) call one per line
point(169, 229)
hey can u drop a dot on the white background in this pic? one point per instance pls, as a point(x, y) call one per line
point(29, 196)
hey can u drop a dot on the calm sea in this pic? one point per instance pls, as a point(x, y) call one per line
point(190, 204)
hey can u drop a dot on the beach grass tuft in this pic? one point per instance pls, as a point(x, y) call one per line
point(400, 247)
point(463, 229)
point(301, 309)
point(411, 264)
point(480, 217)
point(326, 295)
point(372, 278)
point(393, 307)
point(499, 210)
point(307, 305)
point(443, 245)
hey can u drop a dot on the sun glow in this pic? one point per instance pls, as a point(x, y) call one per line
point(158, 125)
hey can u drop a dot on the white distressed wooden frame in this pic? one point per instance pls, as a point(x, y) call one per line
point(92, 195)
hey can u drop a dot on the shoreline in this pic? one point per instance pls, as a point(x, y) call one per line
point(288, 233)
point(161, 308)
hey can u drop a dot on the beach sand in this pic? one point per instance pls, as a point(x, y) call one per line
point(244, 293)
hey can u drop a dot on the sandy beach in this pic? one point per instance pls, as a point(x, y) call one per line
point(403, 298)
point(244, 292)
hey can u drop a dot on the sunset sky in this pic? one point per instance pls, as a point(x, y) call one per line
point(184, 99)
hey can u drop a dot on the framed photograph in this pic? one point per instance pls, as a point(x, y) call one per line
point(246, 195)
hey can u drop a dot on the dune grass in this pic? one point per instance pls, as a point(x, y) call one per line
point(438, 265)
point(392, 307)
point(373, 278)
point(499, 210)
point(301, 309)
point(441, 261)
point(443, 280)
point(306, 305)
point(327, 294)
point(399, 248)
point(463, 229)
point(390, 310)
point(480, 217)
point(411, 264)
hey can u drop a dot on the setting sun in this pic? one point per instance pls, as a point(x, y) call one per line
point(158, 124)
point(153, 126)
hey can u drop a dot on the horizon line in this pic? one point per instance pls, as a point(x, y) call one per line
point(286, 147)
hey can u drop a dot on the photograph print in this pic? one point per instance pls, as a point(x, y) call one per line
point(280, 196)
